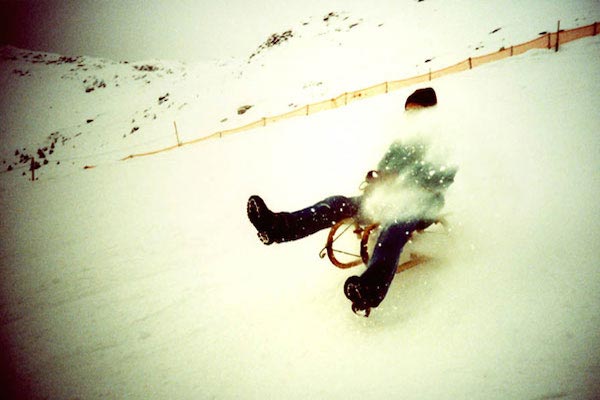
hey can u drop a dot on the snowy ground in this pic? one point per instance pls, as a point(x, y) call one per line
point(143, 279)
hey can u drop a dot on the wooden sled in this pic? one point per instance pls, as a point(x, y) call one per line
point(352, 231)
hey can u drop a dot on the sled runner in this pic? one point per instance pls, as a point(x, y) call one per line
point(348, 232)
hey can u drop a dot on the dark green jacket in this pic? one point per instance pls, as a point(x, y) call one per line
point(411, 186)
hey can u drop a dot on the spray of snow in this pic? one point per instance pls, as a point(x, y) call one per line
point(415, 173)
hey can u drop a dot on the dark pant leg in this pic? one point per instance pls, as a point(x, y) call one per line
point(324, 214)
point(376, 280)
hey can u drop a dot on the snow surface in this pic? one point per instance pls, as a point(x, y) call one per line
point(143, 279)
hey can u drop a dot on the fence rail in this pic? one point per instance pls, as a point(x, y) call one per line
point(549, 41)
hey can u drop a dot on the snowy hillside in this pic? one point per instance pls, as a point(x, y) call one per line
point(144, 279)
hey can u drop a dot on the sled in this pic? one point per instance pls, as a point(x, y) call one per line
point(350, 231)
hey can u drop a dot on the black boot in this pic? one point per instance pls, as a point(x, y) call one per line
point(263, 219)
point(369, 289)
point(357, 294)
point(277, 227)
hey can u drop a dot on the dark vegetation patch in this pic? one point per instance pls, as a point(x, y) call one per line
point(26, 160)
point(274, 40)
point(163, 99)
point(92, 83)
point(146, 67)
point(20, 72)
point(242, 110)
point(330, 16)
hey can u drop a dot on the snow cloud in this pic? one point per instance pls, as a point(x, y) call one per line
point(412, 183)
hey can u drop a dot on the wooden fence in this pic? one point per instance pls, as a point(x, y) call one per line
point(549, 41)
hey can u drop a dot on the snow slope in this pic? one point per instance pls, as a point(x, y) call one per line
point(143, 279)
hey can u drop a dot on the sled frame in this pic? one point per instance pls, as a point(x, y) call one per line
point(363, 234)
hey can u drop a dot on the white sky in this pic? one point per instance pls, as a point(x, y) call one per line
point(186, 30)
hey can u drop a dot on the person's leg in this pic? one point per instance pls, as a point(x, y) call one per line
point(369, 289)
point(277, 227)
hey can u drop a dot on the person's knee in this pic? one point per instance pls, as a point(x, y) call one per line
point(343, 204)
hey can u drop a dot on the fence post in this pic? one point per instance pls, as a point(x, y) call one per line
point(429, 74)
point(264, 121)
point(557, 35)
point(176, 134)
point(32, 168)
point(470, 63)
point(512, 53)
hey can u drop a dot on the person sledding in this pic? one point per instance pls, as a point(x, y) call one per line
point(405, 194)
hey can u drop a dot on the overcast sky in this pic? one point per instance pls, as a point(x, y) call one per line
point(186, 30)
point(190, 30)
